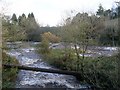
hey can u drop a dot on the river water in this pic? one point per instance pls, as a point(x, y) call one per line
point(26, 54)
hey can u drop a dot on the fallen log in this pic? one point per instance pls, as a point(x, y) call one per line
point(78, 75)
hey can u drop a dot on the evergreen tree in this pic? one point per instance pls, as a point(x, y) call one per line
point(100, 10)
point(14, 18)
point(113, 13)
point(32, 28)
point(118, 11)
point(23, 15)
point(29, 15)
point(19, 20)
point(107, 13)
point(118, 8)
point(32, 15)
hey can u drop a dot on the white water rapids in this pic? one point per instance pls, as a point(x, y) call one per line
point(31, 79)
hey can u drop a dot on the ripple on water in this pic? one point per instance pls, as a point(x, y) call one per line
point(28, 49)
point(43, 79)
point(40, 79)
point(15, 54)
point(27, 61)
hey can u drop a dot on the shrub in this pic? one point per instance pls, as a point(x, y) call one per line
point(101, 71)
point(9, 74)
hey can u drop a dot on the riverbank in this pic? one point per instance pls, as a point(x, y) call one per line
point(27, 56)
point(100, 71)
point(9, 75)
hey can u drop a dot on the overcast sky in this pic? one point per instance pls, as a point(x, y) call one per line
point(51, 12)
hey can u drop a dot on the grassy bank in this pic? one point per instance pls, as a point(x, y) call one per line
point(8, 75)
point(101, 72)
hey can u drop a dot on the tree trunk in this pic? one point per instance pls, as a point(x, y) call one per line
point(74, 73)
point(78, 57)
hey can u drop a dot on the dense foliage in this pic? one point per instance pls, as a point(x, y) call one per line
point(85, 30)
point(23, 28)
point(82, 30)
point(8, 75)
point(26, 28)
point(101, 72)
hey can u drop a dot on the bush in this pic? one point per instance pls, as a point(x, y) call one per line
point(101, 71)
point(9, 74)
point(44, 47)
point(61, 58)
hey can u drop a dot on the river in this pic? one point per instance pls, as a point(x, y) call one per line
point(26, 54)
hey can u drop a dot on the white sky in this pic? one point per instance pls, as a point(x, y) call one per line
point(51, 12)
